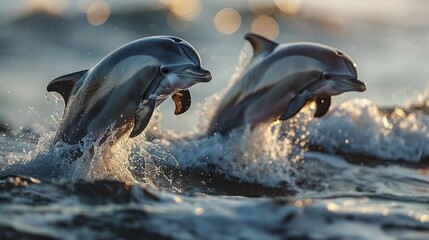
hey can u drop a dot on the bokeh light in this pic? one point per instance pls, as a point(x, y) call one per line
point(84, 5)
point(288, 7)
point(227, 21)
point(50, 6)
point(259, 7)
point(265, 26)
point(98, 13)
point(186, 10)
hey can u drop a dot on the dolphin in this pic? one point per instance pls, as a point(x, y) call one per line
point(122, 90)
point(280, 79)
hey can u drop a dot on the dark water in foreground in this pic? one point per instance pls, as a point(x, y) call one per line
point(371, 181)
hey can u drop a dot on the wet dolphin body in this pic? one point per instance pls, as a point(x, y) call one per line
point(281, 79)
point(124, 88)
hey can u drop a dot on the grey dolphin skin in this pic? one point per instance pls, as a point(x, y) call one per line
point(123, 89)
point(281, 79)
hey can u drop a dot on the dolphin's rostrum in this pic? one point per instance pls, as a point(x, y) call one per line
point(281, 79)
point(124, 88)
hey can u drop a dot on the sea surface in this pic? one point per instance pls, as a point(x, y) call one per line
point(360, 172)
point(371, 181)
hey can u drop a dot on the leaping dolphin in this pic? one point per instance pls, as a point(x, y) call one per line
point(124, 88)
point(281, 79)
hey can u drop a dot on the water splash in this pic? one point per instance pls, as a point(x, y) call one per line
point(359, 127)
point(207, 111)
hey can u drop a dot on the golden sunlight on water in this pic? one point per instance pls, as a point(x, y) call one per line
point(333, 207)
point(186, 10)
point(98, 13)
point(199, 211)
point(227, 21)
point(265, 26)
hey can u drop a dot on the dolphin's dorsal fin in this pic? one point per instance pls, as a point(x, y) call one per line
point(182, 100)
point(260, 44)
point(64, 85)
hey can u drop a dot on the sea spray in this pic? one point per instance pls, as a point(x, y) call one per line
point(208, 108)
point(359, 127)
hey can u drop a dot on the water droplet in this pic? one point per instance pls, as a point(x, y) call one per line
point(198, 211)
point(177, 199)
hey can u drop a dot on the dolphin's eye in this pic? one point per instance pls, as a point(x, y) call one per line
point(327, 76)
point(340, 53)
point(165, 70)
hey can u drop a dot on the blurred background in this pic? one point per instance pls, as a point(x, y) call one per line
point(43, 39)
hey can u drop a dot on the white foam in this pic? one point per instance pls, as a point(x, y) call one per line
point(268, 154)
point(358, 127)
point(257, 155)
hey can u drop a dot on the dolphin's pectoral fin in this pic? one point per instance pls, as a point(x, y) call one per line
point(65, 84)
point(143, 114)
point(260, 44)
point(296, 104)
point(182, 100)
point(323, 105)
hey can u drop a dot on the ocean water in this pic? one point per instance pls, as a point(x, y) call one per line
point(263, 183)
point(360, 172)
